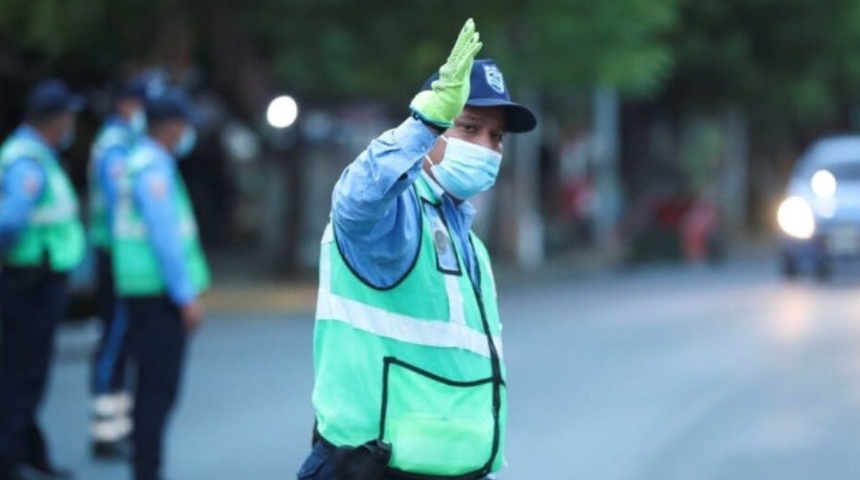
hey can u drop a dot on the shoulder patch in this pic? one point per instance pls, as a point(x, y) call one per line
point(157, 186)
point(116, 170)
point(32, 184)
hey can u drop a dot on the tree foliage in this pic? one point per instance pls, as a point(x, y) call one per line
point(797, 57)
point(371, 47)
point(375, 47)
point(793, 56)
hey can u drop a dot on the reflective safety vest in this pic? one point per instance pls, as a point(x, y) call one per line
point(136, 268)
point(416, 365)
point(54, 235)
point(112, 135)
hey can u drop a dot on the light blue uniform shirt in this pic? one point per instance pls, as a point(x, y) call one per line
point(376, 214)
point(111, 165)
point(153, 189)
point(22, 184)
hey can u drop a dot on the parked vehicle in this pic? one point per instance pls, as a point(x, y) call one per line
point(820, 216)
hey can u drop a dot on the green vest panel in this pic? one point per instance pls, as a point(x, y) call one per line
point(416, 365)
point(54, 233)
point(136, 267)
point(110, 136)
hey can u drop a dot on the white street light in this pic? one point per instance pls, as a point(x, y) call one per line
point(282, 112)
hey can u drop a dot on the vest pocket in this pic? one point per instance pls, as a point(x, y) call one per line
point(437, 426)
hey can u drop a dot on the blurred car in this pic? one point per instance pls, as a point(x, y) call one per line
point(820, 216)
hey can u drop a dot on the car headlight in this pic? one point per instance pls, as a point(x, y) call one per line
point(795, 218)
point(823, 184)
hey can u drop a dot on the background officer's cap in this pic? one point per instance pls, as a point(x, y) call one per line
point(143, 86)
point(52, 97)
point(172, 104)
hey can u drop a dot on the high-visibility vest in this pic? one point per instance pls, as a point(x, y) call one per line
point(418, 364)
point(111, 135)
point(54, 235)
point(136, 268)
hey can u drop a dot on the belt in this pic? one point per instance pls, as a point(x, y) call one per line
point(394, 474)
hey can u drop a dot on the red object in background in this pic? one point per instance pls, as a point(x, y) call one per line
point(696, 228)
point(670, 213)
point(576, 199)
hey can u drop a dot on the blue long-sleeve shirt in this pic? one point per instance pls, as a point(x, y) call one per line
point(376, 215)
point(153, 190)
point(111, 165)
point(22, 185)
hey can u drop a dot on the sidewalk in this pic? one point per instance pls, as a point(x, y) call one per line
point(243, 282)
point(240, 286)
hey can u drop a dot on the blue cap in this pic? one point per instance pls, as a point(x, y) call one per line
point(51, 97)
point(172, 104)
point(488, 89)
point(144, 86)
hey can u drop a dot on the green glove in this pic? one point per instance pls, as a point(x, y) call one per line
point(448, 94)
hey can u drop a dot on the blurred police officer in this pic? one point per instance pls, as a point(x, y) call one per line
point(111, 422)
point(41, 240)
point(409, 381)
point(159, 269)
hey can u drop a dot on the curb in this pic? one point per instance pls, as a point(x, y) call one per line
point(262, 298)
point(272, 297)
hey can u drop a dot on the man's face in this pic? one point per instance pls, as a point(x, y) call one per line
point(175, 129)
point(127, 107)
point(63, 127)
point(483, 126)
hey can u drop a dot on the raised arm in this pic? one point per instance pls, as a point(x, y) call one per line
point(374, 213)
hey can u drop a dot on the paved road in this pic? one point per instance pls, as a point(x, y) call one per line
point(660, 374)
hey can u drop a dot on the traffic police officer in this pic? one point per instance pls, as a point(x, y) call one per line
point(409, 380)
point(159, 269)
point(111, 422)
point(41, 240)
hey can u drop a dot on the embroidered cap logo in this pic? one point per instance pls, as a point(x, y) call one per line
point(494, 78)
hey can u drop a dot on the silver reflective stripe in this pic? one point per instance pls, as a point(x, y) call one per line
point(111, 429)
point(328, 234)
point(65, 204)
point(325, 258)
point(125, 228)
point(58, 213)
point(430, 333)
point(455, 300)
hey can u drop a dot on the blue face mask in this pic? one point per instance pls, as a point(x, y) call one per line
point(466, 169)
point(186, 143)
point(137, 122)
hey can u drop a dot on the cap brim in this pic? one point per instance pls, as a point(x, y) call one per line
point(518, 119)
point(191, 118)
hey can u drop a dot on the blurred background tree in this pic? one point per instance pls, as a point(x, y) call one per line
point(742, 78)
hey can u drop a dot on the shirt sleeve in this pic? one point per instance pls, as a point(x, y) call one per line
point(374, 214)
point(22, 185)
point(111, 169)
point(153, 191)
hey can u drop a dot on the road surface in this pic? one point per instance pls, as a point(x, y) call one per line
point(656, 374)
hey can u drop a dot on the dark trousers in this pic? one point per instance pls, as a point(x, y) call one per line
point(32, 302)
point(109, 362)
point(157, 344)
point(318, 466)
